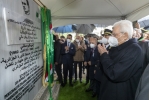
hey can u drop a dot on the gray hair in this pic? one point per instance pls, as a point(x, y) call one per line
point(125, 27)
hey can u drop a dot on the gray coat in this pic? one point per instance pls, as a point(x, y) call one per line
point(142, 92)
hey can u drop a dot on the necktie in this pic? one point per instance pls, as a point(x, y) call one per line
point(91, 53)
point(68, 44)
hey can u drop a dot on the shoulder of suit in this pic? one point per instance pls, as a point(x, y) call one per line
point(65, 43)
point(73, 44)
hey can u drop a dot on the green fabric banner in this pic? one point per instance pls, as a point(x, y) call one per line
point(48, 49)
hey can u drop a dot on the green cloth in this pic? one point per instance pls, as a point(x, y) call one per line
point(47, 40)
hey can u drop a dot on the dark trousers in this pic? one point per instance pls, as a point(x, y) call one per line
point(80, 69)
point(87, 73)
point(83, 67)
point(73, 71)
point(58, 69)
point(67, 67)
point(92, 85)
point(98, 88)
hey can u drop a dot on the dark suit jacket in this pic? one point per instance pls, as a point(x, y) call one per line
point(94, 58)
point(57, 52)
point(67, 57)
point(99, 69)
point(145, 50)
point(99, 72)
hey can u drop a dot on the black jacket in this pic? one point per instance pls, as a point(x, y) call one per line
point(94, 58)
point(145, 49)
point(57, 52)
point(122, 69)
point(99, 70)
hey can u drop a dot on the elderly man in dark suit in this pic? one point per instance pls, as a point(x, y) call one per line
point(68, 51)
point(122, 64)
point(91, 58)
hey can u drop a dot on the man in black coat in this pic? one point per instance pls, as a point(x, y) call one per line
point(58, 58)
point(68, 51)
point(122, 65)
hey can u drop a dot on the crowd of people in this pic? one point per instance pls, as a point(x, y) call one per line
point(114, 62)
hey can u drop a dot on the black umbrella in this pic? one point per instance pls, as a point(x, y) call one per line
point(85, 28)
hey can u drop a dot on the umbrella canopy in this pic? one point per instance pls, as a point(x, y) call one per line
point(85, 28)
point(63, 29)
